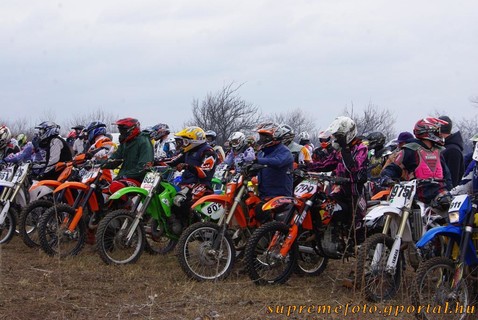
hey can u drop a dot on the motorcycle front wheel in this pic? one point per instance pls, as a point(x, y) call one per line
point(54, 235)
point(7, 228)
point(112, 238)
point(264, 264)
point(379, 284)
point(433, 287)
point(199, 258)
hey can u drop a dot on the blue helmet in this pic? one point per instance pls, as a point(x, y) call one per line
point(47, 129)
point(95, 129)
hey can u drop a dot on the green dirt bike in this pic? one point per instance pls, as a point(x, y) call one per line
point(123, 234)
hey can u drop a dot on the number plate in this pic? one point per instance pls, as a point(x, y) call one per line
point(148, 181)
point(90, 175)
point(213, 209)
point(6, 174)
point(306, 187)
point(402, 194)
point(455, 206)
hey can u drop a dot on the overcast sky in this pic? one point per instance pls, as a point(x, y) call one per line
point(150, 58)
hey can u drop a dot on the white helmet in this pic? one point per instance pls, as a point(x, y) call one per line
point(5, 136)
point(304, 137)
point(344, 126)
point(237, 140)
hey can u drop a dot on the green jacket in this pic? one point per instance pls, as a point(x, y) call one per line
point(135, 155)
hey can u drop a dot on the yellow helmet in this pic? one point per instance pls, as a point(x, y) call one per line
point(191, 137)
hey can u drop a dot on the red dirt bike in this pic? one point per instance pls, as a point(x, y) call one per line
point(41, 199)
point(274, 249)
point(207, 250)
point(63, 228)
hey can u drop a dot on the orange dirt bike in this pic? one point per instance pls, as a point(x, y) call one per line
point(63, 228)
point(41, 199)
point(207, 250)
point(310, 231)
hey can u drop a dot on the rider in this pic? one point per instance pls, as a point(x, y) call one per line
point(453, 152)
point(240, 152)
point(198, 160)
point(376, 151)
point(211, 139)
point(79, 142)
point(101, 147)
point(55, 147)
point(349, 161)
point(22, 140)
point(325, 147)
point(135, 154)
point(422, 159)
point(163, 147)
point(6, 145)
point(305, 154)
point(276, 179)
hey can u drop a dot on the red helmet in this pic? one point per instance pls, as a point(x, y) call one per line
point(429, 129)
point(129, 128)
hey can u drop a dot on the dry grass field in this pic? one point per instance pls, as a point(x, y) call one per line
point(36, 286)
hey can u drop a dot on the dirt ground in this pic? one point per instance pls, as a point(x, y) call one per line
point(36, 286)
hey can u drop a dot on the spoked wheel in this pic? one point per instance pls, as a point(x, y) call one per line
point(309, 263)
point(7, 227)
point(379, 284)
point(433, 287)
point(29, 219)
point(157, 244)
point(264, 264)
point(112, 238)
point(54, 235)
point(198, 256)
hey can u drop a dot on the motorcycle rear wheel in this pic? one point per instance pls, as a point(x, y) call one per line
point(111, 238)
point(197, 257)
point(309, 263)
point(29, 219)
point(262, 263)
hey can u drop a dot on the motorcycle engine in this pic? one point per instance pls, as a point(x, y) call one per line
point(332, 245)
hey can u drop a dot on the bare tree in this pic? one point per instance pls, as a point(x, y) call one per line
point(468, 127)
point(97, 115)
point(373, 119)
point(224, 112)
point(297, 119)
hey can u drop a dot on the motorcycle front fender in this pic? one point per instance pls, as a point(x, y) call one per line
point(449, 231)
point(127, 190)
point(218, 198)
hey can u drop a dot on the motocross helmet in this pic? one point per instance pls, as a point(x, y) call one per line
point(211, 137)
point(304, 138)
point(324, 139)
point(159, 131)
point(285, 133)
point(376, 140)
point(343, 126)
point(129, 128)
point(429, 129)
point(5, 137)
point(21, 139)
point(267, 134)
point(94, 129)
point(47, 130)
point(191, 137)
point(237, 140)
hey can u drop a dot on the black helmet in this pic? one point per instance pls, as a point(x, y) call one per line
point(376, 140)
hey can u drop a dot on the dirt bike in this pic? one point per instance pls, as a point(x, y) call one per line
point(63, 228)
point(41, 199)
point(207, 250)
point(311, 230)
point(123, 235)
point(381, 259)
point(448, 281)
point(14, 195)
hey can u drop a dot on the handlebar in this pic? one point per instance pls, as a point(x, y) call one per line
point(321, 176)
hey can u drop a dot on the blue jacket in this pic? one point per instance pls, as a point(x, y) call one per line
point(276, 179)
